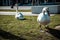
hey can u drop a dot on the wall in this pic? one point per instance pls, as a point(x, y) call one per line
point(52, 8)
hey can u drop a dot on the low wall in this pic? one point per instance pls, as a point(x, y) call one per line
point(19, 8)
point(58, 9)
point(52, 9)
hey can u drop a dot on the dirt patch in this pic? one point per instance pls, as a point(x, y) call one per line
point(57, 27)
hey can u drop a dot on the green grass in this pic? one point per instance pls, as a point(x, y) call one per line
point(28, 29)
point(14, 10)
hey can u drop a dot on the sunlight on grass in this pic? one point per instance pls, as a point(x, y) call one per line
point(3, 10)
point(28, 28)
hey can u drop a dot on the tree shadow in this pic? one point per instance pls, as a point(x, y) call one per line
point(7, 35)
point(54, 32)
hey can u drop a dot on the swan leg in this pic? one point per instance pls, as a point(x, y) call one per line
point(41, 29)
point(46, 28)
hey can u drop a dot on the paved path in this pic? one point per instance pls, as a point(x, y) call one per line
point(19, 7)
point(24, 13)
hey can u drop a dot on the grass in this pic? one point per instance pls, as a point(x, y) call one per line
point(28, 29)
point(6, 10)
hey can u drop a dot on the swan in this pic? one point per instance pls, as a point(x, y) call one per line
point(18, 15)
point(44, 17)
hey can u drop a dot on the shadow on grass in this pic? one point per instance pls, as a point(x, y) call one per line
point(7, 35)
point(22, 19)
point(54, 32)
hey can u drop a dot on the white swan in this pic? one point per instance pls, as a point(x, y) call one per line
point(44, 17)
point(18, 15)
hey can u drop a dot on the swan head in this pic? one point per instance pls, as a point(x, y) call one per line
point(45, 9)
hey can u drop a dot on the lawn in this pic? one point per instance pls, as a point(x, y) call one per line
point(6, 10)
point(13, 29)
